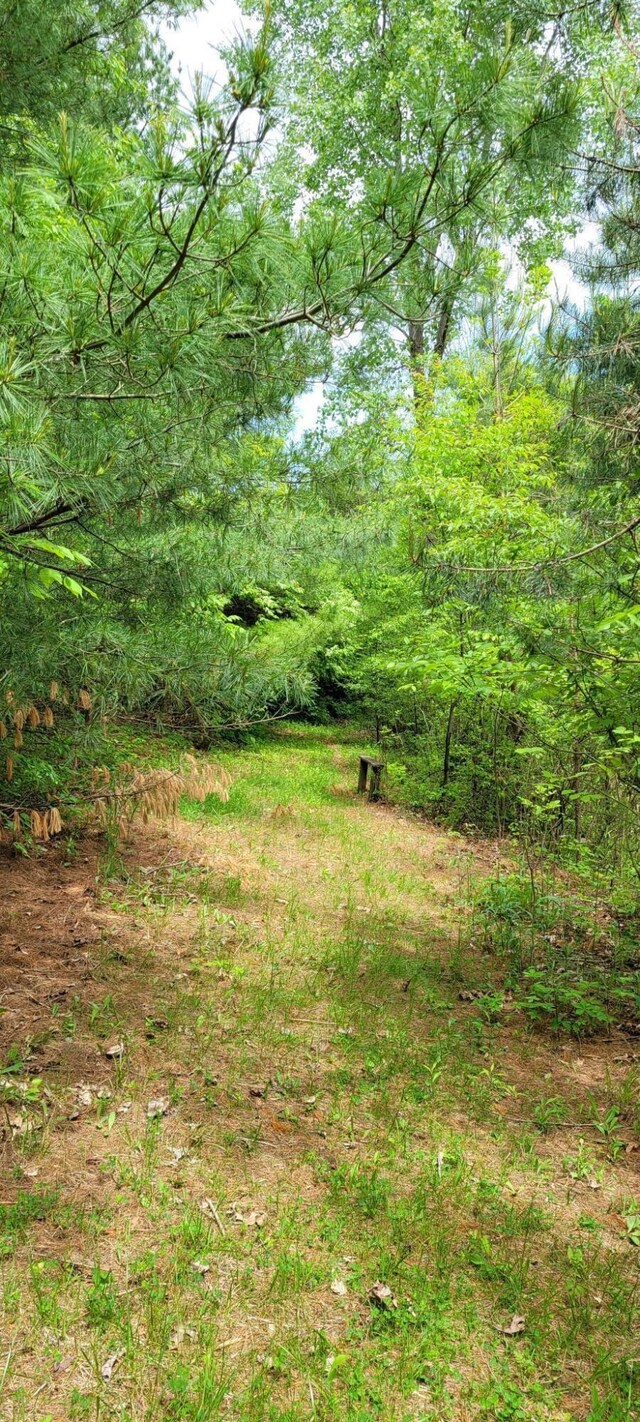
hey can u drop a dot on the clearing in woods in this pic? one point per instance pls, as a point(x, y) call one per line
point(264, 1154)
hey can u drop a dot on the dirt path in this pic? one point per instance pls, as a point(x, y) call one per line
point(261, 1160)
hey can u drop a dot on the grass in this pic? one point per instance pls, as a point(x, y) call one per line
point(333, 1115)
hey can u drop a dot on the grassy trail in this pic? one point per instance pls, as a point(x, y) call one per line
point(282, 1169)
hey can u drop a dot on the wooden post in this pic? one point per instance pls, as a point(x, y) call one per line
point(376, 774)
point(376, 767)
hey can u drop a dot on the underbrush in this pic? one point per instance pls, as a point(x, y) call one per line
point(571, 960)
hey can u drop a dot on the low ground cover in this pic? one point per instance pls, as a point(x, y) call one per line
point(281, 1140)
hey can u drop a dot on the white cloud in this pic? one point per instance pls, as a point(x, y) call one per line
point(306, 409)
point(196, 40)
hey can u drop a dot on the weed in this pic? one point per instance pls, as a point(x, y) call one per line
point(553, 1000)
point(104, 1017)
point(608, 1128)
point(549, 1112)
point(583, 1165)
point(16, 1219)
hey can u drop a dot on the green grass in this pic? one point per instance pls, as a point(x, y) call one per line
point(335, 1116)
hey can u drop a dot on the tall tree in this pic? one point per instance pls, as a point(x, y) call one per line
point(439, 123)
point(101, 59)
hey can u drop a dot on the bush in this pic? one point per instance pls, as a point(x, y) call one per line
point(564, 1006)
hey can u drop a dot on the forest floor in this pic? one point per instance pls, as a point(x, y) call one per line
point(265, 1156)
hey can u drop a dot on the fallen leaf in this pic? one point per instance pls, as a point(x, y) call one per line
point(64, 1364)
point(516, 1326)
point(158, 1107)
point(252, 1217)
point(257, 1090)
point(338, 1287)
point(108, 1368)
point(179, 1335)
point(115, 1050)
point(381, 1295)
point(199, 1268)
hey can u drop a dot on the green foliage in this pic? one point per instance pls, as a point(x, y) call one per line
point(99, 60)
point(563, 1004)
point(557, 945)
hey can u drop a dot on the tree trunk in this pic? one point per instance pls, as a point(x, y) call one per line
point(416, 352)
point(447, 746)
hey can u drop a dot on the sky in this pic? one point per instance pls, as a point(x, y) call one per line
point(196, 39)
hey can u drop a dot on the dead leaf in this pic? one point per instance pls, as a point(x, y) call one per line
point(516, 1326)
point(64, 1364)
point(108, 1368)
point(179, 1335)
point(338, 1287)
point(115, 1050)
point(253, 1217)
point(257, 1090)
point(381, 1295)
point(157, 1107)
point(199, 1268)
